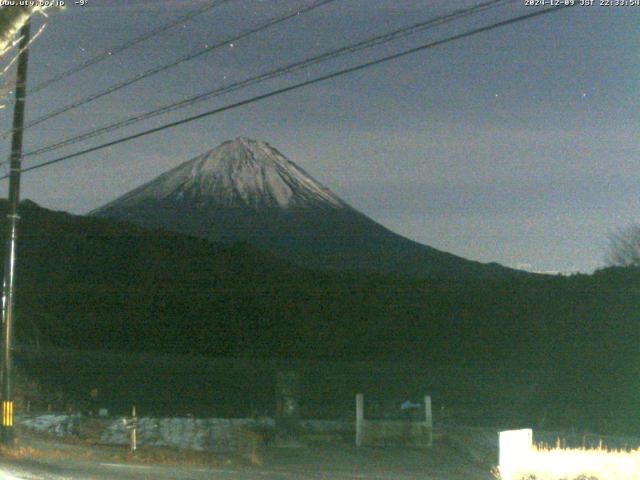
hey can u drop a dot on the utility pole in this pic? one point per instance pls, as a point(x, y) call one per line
point(8, 286)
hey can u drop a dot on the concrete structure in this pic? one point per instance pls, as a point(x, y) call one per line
point(405, 432)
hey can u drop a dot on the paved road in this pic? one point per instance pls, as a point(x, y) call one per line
point(280, 464)
point(39, 471)
point(446, 460)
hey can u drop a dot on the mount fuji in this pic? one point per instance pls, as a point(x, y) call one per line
point(247, 191)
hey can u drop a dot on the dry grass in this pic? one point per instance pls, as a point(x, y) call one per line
point(19, 451)
point(83, 450)
point(249, 446)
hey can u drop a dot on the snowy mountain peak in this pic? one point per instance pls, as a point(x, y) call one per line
point(247, 191)
point(240, 173)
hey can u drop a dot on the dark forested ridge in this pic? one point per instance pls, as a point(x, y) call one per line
point(92, 283)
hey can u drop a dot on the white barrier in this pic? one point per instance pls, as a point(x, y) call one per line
point(515, 450)
point(519, 459)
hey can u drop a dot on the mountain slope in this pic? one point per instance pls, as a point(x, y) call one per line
point(245, 190)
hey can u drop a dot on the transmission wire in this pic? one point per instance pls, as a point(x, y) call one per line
point(125, 46)
point(299, 85)
point(162, 68)
point(292, 67)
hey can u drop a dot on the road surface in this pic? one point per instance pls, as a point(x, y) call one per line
point(280, 464)
point(448, 459)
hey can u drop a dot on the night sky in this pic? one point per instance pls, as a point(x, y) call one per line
point(518, 145)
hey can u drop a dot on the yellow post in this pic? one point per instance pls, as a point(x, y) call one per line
point(7, 413)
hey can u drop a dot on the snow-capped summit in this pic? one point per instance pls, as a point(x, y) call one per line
point(247, 191)
point(240, 173)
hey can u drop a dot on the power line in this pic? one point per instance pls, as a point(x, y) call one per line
point(280, 71)
point(179, 61)
point(299, 85)
point(125, 46)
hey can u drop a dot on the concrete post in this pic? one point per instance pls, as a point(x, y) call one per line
point(359, 419)
point(287, 404)
point(428, 419)
point(134, 427)
point(428, 416)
